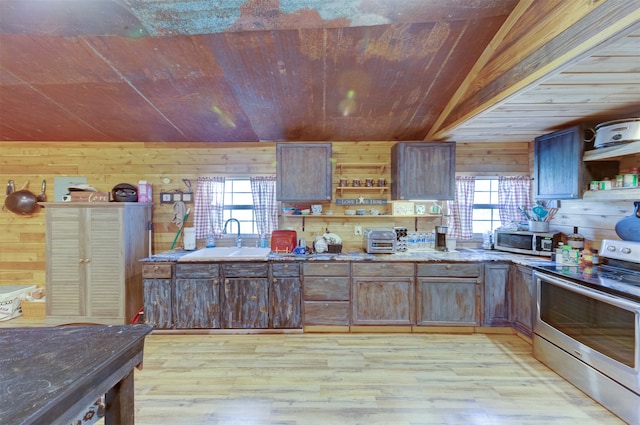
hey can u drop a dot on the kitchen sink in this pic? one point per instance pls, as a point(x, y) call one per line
point(226, 253)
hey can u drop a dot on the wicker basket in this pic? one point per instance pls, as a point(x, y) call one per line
point(33, 309)
point(334, 249)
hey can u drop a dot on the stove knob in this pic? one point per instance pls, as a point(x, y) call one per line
point(626, 250)
point(611, 248)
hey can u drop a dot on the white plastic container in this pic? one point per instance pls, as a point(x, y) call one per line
point(189, 238)
point(10, 297)
point(144, 192)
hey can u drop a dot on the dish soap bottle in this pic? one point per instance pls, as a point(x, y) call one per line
point(211, 241)
point(575, 240)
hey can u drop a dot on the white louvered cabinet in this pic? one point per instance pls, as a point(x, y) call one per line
point(93, 273)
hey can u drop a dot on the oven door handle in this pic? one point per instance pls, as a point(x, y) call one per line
point(586, 291)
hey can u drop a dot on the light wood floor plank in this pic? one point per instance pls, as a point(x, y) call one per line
point(345, 379)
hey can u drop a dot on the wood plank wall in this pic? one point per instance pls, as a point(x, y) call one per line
point(22, 239)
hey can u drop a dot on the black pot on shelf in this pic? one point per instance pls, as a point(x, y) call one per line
point(124, 192)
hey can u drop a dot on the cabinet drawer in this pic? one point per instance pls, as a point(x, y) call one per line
point(241, 269)
point(285, 269)
point(449, 269)
point(196, 271)
point(325, 269)
point(383, 269)
point(326, 313)
point(326, 288)
point(156, 271)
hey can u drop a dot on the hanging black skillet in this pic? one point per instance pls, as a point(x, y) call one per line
point(628, 229)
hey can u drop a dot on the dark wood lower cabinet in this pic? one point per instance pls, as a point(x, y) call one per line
point(496, 300)
point(449, 294)
point(383, 301)
point(245, 303)
point(288, 295)
point(197, 303)
point(285, 297)
point(326, 294)
point(522, 299)
point(448, 301)
point(157, 303)
point(383, 294)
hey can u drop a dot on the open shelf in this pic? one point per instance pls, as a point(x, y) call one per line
point(377, 189)
point(415, 217)
point(612, 152)
point(622, 194)
point(379, 167)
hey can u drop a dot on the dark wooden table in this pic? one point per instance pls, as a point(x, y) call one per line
point(50, 375)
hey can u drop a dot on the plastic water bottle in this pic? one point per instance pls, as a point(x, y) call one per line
point(211, 242)
point(412, 240)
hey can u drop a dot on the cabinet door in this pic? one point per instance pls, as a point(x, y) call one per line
point(66, 262)
point(557, 159)
point(522, 302)
point(157, 302)
point(448, 301)
point(104, 250)
point(496, 306)
point(245, 303)
point(197, 303)
point(285, 302)
point(303, 172)
point(380, 301)
point(423, 170)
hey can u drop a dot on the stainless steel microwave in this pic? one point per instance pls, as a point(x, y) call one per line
point(525, 242)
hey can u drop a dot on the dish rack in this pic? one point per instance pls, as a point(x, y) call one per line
point(334, 248)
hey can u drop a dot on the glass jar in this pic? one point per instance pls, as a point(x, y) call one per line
point(575, 240)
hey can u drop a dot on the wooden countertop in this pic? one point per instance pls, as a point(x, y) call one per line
point(52, 374)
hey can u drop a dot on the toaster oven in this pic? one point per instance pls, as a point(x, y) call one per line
point(379, 241)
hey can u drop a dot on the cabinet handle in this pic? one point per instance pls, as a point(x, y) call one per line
point(326, 266)
point(226, 281)
point(448, 267)
point(326, 279)
point(286, 267)
point(156, 268)
point(275, 280)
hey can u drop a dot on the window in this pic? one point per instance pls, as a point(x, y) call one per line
point(238, 204)
point(486, 216)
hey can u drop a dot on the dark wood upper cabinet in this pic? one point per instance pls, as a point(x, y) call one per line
point(558, 169)
point(303, 172)
point(423, 170)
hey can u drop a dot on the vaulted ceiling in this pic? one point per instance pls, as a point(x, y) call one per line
point(306, 70)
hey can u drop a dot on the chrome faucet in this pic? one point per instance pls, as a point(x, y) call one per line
point(238, 240)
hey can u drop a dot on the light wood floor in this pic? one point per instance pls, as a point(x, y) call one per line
point(343, 379)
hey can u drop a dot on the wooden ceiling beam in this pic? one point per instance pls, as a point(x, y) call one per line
point(529, 49)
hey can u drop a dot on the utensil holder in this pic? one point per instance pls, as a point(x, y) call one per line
point(538, 226)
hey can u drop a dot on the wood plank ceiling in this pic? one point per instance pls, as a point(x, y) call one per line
point(306, 70)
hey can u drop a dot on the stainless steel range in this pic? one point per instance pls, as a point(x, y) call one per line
point(587, 326)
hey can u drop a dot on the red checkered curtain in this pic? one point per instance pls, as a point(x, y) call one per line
point(265, 204)
point(513, 192)
point(461, 210)
point(209, 205)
